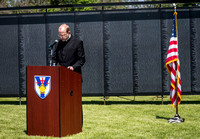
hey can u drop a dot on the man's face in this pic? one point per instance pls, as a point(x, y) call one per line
point(63, 34)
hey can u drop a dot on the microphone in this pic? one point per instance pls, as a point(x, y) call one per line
point(51, 45)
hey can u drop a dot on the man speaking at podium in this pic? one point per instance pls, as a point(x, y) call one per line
point(69, 51)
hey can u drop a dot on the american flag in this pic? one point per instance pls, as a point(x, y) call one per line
point(173, 65)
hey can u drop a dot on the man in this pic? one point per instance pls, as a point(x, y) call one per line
point(69, 51)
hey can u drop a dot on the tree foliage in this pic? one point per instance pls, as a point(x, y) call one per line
point(23, 3)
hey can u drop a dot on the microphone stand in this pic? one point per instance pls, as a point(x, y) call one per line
point(51, 47)
point(50, 63)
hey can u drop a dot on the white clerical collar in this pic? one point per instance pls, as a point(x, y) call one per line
point(68, 37)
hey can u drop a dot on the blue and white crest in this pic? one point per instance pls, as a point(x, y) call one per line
point(42, 85)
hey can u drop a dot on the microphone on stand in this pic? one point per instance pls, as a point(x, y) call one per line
point(51, 45)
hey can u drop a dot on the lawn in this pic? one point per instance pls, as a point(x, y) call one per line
point(122, 117)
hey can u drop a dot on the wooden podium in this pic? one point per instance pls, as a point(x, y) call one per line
point(59, 113)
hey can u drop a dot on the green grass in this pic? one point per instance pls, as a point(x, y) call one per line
point(121, 118)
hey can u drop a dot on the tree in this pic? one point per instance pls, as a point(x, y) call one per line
point(22, 3)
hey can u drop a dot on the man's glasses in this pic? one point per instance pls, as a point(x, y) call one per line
point(62, 35)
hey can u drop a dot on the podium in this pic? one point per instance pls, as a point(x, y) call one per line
point(54, 101)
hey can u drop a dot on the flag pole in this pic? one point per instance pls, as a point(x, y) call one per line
point(174, 4)
point(177, 115)
point(176, 92)
point(176, 118)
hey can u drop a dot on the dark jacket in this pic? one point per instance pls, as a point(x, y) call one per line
point(69, 53)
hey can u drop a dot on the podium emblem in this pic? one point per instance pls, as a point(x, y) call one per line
point(42, 85)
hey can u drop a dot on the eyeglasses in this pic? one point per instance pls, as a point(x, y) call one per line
point(62, 35)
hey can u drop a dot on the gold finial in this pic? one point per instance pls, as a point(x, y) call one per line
point(174, 4)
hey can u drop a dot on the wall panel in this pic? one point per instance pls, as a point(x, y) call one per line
point(9, 69)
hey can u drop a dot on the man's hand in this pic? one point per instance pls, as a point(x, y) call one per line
point(70, 67)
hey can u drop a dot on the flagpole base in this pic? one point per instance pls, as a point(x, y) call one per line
point(176, 119)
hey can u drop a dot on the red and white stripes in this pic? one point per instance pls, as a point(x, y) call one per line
point(173, 66)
